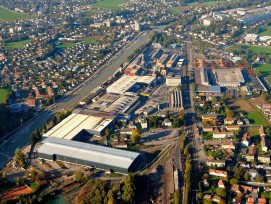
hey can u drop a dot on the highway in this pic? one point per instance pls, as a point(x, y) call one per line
point(21, 138)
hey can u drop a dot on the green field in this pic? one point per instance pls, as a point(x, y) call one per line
point(265, 69)
point(89, 40)
point(17, 45)
point(253, 48)
point(255, 118)
point(66, 44)
point(211, 3)
point(9, 15)
point(266, 31)
point(110, 4)
point(3, 95)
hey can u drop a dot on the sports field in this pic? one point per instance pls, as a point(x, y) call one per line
point(266, 31)
point(89, 40)
point(3, 95)
point(17, 45)
point(110, 4)
point(9, 15)
point(66, 44)
point(211, 3)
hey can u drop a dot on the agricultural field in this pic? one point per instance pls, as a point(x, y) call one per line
point(89, 40)
point(266, 31)
point(17, 45)
point(3, 95)
point(256, 118)
point(240, 106)
point(211, 3)
point(8, 15)
point(110, 4)
point(252, 113)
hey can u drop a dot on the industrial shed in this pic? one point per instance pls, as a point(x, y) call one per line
point(88, 155)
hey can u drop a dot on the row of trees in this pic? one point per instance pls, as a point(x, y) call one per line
point(99, 192)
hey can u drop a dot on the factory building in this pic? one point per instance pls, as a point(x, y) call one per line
point(172, 61)
point(204, 77)
point(175, 100)
point(101, 157)
point(229, 77)
point(173, 80)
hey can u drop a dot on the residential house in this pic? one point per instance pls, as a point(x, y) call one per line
point(219, 173)
point(209, 117)
point(263, 143)
point(264, 159)
point(218, 163)
point(232, 127)
point(167, 123)
point(228, 145)
point(220, 133)
point(228, 121)
point(253, 173)
point(252, 150)
point(221, 184)
point(250, 200)
point(207, 129)
point(248, 157)
point(206, 183)
point(245, 140)
point(261, 131)
point(216, 199)
point(127, 131)
point(261, 200)
point(240, 122)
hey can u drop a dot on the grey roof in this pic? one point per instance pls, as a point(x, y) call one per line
point(88, 152)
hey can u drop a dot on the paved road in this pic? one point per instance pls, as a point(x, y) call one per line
point(21, 137)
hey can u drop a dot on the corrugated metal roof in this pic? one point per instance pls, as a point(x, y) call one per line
point(88, 152)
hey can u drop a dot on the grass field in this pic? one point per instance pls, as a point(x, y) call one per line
point(66, 44)
point(90, 40)
point(255, 118)
point(254, 49)
point(266, 31)
point(211, 3)
point(265, 69)
point(3, 95)
point(17, 45)
point(9, 15)
point(110, 4)
point(240, 106)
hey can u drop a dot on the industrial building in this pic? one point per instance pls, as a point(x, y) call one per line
point(229, 77)
point(127, 83)
point(175, 100)
point(204, 77)
point(79, 122)
point(162, 61)
point(85, 154)
point(173, 79)
point(172, 61)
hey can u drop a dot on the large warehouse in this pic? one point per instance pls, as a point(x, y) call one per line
point(229, 77)
point(80, 120)
point(88, 155)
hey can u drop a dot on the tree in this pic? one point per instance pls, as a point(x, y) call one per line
point(221, 192)
point(107, 132)
point(19, 158)
point(229, 113)
point(200, 195)
point(128, 189)
point(135, 137)
point(246, 176)
point(258, 178)
point(233, 181)
point(79, 176)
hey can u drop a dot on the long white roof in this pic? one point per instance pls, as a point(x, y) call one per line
point(75, 123)
point(88, 152)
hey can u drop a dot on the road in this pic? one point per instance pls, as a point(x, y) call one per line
point(21, 137)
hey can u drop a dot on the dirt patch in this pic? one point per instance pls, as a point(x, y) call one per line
point(13, 193)
point(257, 101)
point(240, 106)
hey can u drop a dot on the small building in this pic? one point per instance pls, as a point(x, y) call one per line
point(221, 184)
point(228, 121)
point(217, 163)
point(264, 159)
point(209, 117)
point(167, 123)
point(219, 173)
point(253, 172)
point(245, 140)
point(205, 183)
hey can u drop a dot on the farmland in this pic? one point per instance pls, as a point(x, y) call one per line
point(3, 95)
point(8, 15)
point(17, 45)
point(109, 4)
